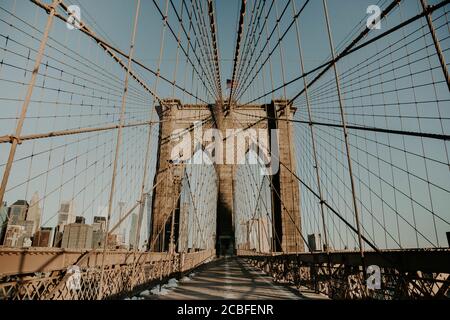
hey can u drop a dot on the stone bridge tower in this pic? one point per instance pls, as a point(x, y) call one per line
point(285, 192)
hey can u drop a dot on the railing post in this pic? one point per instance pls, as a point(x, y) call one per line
point(15, 140)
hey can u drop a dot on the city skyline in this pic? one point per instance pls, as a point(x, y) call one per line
point(22, 228)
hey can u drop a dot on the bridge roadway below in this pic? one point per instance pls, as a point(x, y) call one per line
point(232, 278)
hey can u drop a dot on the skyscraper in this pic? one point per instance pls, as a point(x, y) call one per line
point(77, 236)
point(133, 230)
point(66, 214)
point(18, 228)
point(14, 234)
point(34, 213)
point(98, 239)
point(18, 212)
point(123, 225)
point(98, 234)
point(28, 232)
point(99, 223)
point(57, 237)
point(80, 219)
point(42, 238)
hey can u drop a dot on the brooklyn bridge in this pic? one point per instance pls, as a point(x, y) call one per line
point(247, 149)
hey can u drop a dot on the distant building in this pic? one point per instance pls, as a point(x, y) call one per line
point(133, 230)
point(57, 237)
point(27, 236)
point(99, 224)
point(77, 236)
point(98, 235)
point(34, 213)
point(66, 214)
point(14, 234)
point(98, 239)
point(314, 242)
point(19, 231)
point(123, 229)
point(18, 212)
point(43, 238)
point(81, 220)
point(29, 227)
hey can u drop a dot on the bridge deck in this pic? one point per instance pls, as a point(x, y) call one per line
point(232, 278)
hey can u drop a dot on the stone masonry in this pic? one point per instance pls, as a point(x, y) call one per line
point(286, 213)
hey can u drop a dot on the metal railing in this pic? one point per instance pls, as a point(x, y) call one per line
point(57, 274)
point(404, 274)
